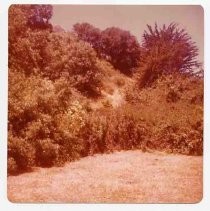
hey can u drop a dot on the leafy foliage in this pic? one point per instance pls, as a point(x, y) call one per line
point(28, 53)
point(90, 34)
point(173, 110)
point(39, 16)
point(121, 47)
point(54, 75)
point(117, 46)
point(20, 153)
point(66, 56)
point(46, 122)
point(17, 24)
point(166, 50)
point(115, 130)
point(53, 55)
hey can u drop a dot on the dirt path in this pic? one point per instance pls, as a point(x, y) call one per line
point(115, 99)
point(126, 176)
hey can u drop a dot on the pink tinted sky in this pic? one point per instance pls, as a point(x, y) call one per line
point(133, 18)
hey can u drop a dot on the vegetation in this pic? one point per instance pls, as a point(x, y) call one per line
point(166, 50)
point(90, 34)
point(115, 45)
point(67, 98)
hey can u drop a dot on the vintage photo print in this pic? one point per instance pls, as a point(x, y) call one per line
point(105, 103)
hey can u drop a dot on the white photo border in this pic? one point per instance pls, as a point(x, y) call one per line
point(5, 204)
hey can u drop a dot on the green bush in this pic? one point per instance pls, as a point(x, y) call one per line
point(75, 60)
point(12, 166)
point(52, 55)
point(117, 130)
point(41, 116)
point(68, 128)
point(180, 140)
point(21, 154)
point(47, 153)
point(174, 120)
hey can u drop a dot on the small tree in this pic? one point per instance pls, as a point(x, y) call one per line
point(167, 50)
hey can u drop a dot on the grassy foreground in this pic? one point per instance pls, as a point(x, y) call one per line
point(120, 177)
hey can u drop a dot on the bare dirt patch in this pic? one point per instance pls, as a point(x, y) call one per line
point(121, 177)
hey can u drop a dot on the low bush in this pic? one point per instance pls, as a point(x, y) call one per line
point(20, 153)
point(173, 95)
point(120, 82)
point(47, 153)
point(173, 110)
point(180, 140)
point(12, 166)
point(117, 130)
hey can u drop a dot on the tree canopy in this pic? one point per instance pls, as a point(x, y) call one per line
point(166, 50)
point(122, 48)
point(116, 45)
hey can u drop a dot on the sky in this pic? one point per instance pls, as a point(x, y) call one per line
point(134, 18)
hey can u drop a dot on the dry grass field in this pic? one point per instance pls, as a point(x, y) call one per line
point(120, 177)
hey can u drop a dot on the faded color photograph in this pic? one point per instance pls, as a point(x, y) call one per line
point(105, 104)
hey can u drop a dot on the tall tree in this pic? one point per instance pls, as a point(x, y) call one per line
point(166, 50)
point(88, 33)
point(121, 47)
point(39, 16)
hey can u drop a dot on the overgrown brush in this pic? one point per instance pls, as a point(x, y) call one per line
point(116, 130)
point(55, 76)
point(76, 134)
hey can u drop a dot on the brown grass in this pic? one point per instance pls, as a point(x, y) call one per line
point(121, 177)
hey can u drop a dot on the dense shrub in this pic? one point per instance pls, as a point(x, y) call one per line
point(21, 154)
point(117, 130)
point(73, 59)
point(11, 166)
point(174, 120)
point(26, 45)
point(180, 140)
point(28, 54)
point(69, 126)
point(47, 153)
point(39, 51)
point(55, 127)
point(17, 24)
point(35, 108)
point(37, 100)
